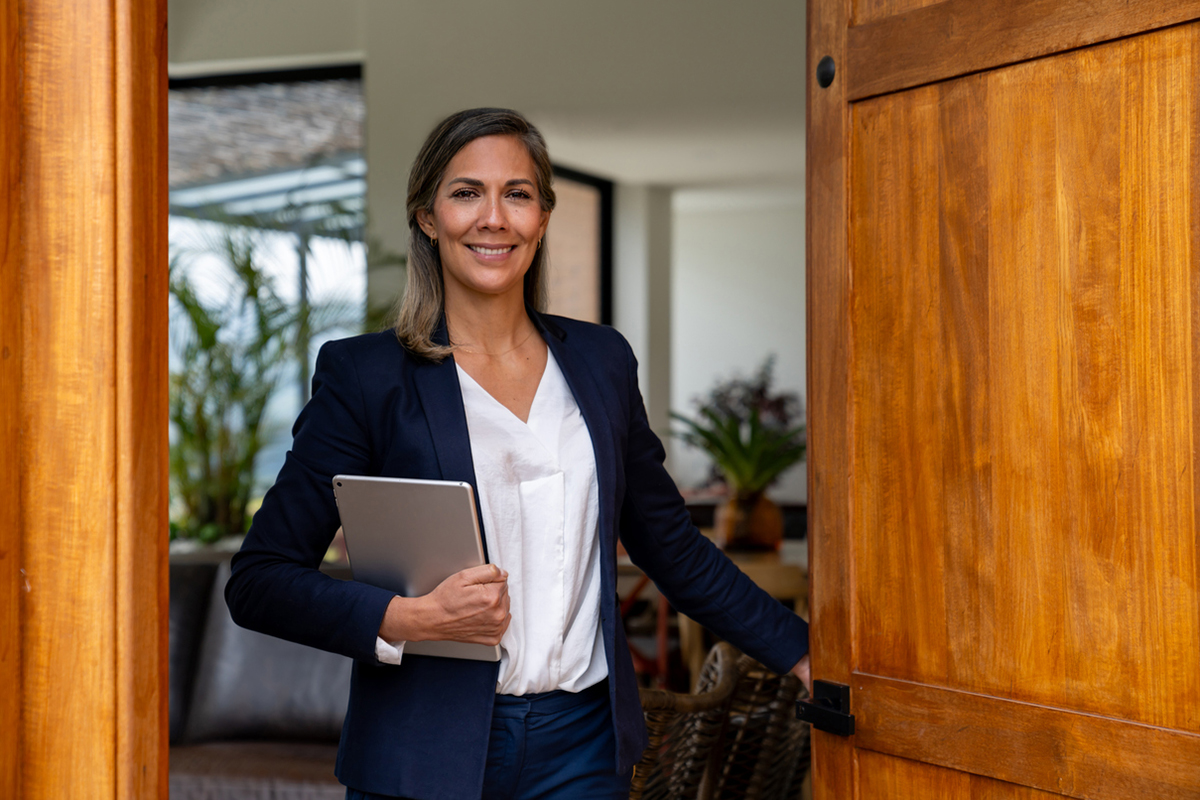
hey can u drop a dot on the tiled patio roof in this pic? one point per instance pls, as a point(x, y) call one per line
point(224, 133)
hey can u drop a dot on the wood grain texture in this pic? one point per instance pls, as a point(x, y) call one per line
point(895, 778)
point(85, 292)
point(900, 607)
point(899, 779)
point(828, 337)
point(1088, 225)
point(1031, 511)
point(10, 404)
point(1158, 264)
point(965, 427)
point(1023, 382)
point(864, 11)
point(957, 37)
point(68, 403)
point(1061, 752)
point(142, 585)
point(988, 789)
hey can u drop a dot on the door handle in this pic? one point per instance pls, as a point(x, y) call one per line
point(829, 709)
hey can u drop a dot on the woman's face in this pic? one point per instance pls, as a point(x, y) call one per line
point(487, 217)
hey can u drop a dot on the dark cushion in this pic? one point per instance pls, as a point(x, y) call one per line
point(255, 771)
point(252, 686)
point(191, 588)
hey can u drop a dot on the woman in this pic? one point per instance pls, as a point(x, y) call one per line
point(543, 416)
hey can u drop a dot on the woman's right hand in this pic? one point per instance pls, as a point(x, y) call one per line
point(469, 606)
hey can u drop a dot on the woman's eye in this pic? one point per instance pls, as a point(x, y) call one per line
point(464, 193)
point(520, 194)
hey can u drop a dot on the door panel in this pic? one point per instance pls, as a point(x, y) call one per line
point(898, 44)
point(896, 321)
point(865, 11)
point(1008, 575)
point(1074, 754)
point(1051, 468)
point(902, 779)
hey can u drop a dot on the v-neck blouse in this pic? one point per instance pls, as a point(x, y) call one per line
point(539, 500)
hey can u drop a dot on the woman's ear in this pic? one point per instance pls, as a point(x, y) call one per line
point(425, 220)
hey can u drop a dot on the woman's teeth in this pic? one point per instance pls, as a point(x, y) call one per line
point(490, 251)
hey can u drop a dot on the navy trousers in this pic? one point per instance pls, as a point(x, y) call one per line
point(549, 746)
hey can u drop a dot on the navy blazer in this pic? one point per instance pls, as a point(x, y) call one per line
point(421, 729)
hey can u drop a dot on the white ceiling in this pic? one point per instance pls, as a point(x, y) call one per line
point(677, 92)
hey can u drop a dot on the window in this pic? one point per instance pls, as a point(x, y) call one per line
point(267, 185)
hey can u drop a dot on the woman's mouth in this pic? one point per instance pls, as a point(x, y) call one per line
point(492, 251)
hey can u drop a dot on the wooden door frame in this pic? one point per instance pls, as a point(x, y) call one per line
point(828, 336)
point(918, 47)
point(83, 399)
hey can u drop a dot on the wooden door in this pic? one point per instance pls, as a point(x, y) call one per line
point(83, 400)
point(1004, 389)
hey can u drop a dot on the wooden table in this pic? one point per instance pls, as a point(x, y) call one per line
point(783, 575)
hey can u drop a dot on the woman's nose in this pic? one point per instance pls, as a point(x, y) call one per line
point(493, 214)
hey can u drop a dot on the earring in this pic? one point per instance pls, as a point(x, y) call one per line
point(539, 247)
point(433, 240)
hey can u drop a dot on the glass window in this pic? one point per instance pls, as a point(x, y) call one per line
point(267, 184)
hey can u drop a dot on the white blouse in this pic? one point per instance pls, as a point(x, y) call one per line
point(539, 499)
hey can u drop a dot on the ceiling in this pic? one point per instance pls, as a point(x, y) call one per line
point(675, 92)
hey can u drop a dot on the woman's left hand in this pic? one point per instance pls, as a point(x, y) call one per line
point(803, 671)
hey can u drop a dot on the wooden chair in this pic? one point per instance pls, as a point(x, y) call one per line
point(737, 736)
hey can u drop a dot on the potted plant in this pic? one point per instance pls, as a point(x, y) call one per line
point(751, 436)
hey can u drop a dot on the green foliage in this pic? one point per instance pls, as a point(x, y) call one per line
point(746, 430)
point(231, 353)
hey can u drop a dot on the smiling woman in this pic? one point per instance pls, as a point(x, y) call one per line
point(510, 135)
point(488, 225)
point(486, 218)
point(542, 415)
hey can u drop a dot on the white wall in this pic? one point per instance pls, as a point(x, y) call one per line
point(661, 93)
point(642, 291)
point(213, 36)
point(737, 296)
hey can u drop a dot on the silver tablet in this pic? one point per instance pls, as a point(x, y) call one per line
point(407, 536)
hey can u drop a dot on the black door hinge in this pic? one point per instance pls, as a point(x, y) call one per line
point(829, 709)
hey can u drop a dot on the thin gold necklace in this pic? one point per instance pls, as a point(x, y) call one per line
point(493, 355)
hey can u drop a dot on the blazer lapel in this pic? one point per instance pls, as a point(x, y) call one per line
point(441, 400)
point(589, 398)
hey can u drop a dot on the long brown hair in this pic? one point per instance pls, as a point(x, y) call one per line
point(424, 294)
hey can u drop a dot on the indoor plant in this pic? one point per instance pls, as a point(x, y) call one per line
point(235, 339)
point(750, 435)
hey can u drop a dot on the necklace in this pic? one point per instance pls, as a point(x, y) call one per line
point(504, 353)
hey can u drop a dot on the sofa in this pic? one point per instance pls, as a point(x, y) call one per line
point(252, 717)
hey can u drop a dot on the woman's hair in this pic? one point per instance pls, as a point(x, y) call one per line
point(421, 307)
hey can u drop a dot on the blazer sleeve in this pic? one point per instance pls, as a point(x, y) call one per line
point(694, 575)
point(276, 586)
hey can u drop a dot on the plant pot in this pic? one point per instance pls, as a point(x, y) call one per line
point(749, 522)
